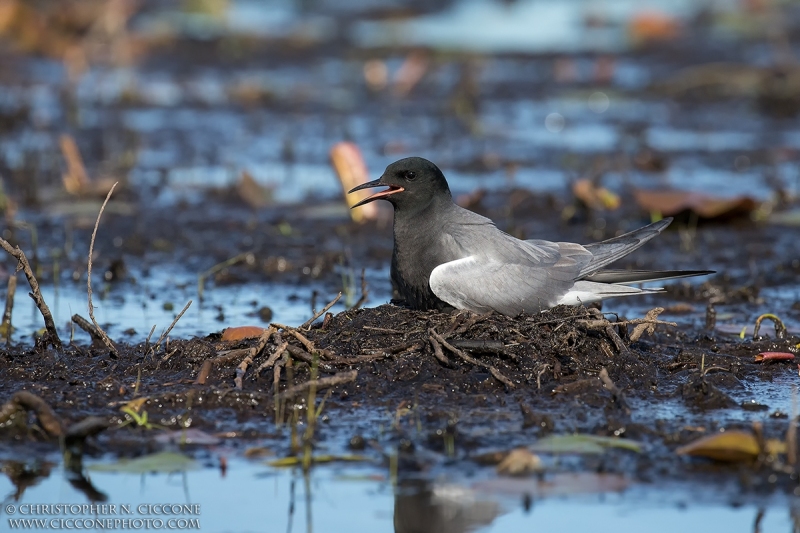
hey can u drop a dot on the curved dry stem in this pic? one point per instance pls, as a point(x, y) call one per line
point(780, 329)
point(103, 335)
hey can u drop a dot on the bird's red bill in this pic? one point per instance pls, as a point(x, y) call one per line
point(393, 189)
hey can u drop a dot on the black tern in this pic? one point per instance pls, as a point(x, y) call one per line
point(446, 256)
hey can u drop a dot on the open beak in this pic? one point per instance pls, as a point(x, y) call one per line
point(393, 189)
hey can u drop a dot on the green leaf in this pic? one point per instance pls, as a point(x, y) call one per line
point(161, 462)
point(582, 443)
point(317, 459)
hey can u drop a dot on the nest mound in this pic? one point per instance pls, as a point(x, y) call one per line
point(464, 350)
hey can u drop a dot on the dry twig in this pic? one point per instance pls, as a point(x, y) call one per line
point(164, 335)
point(27, 401)
point(252, 354)
point(322, 383)
point(102, 333)
point(307, 323)
point(364, 291)
point(611, 387)
point(51, 337)
point(5, 326)
point(273, 358)
point(496, 373)
point(89, 328)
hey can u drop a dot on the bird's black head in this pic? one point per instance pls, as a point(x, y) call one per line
point(413, 184)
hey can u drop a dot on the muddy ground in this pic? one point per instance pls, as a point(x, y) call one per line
point(529, 376)
point(441, 391)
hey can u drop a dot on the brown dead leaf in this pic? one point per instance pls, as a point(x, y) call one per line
point(519, 462)
point(252, 193)
point(238, 333)
point(352, 172)
point(594, 196)
point(669, 203)
point(730, 446)
point(410, 73)
point(75, 180)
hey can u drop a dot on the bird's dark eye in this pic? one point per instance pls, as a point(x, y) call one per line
point(410, 175)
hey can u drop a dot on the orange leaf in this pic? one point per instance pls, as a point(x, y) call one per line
point(242, 332)
point(352, 171)
point(730, 446)
point(653, 26)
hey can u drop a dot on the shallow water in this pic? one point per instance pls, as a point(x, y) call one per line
point(251, 497)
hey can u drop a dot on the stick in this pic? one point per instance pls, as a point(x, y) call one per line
point(437, 352)
point(163, 335)
point(202, 376)
point(5, 327)
point(201, 279)
point(614, 336)
point(496, 373)
point(51, 338)
point(102, 333)
point(306, 357)
point(147, 342)
point(384, 330)
point(364, 291)
point(611, 387)
point(232, 355)
point(307, 323)
point(322, 383)
point(297, 335)
point(252, 353)
point(273, 358)
point(24, 400)
point(88, 327)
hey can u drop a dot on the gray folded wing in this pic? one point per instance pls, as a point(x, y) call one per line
point(606, 252)
point(509, 276)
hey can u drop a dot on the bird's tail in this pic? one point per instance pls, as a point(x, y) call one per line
point(613, 276)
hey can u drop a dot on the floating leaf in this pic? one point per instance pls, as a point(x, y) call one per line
point(774, 356)
point(238, 333)
point(581, 443)
point(518, 462)
point(317, 459)
point(161, 462)
point(669, 203)
point(730, 446)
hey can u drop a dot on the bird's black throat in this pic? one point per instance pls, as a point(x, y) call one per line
point(417, 252)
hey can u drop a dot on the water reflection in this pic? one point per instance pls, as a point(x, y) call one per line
point(423, 507)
